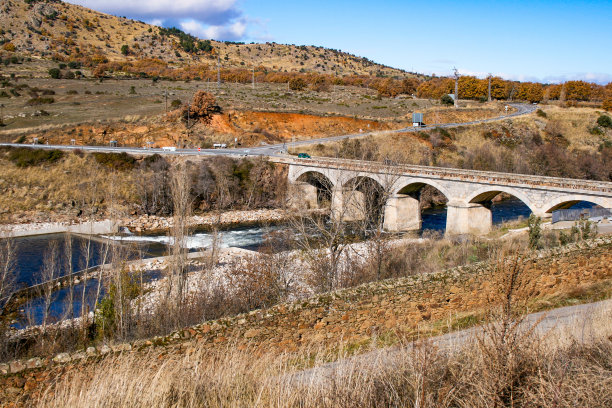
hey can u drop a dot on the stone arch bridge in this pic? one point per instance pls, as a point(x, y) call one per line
point(469, 192)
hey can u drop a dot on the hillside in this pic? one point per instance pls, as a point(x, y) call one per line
point(52, 28)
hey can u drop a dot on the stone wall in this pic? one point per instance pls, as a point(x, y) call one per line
point(352, 316)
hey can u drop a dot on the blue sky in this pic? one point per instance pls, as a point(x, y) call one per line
point(527, 40)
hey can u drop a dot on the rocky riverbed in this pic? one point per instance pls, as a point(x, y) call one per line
point(34, 225)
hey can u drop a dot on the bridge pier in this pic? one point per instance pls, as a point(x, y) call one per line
point(348, 204)
point(303, 196)
point(468, 218)
point(402, 213)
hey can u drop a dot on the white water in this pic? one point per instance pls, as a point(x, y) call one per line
point(233, 238)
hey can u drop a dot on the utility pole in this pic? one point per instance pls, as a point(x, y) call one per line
point(456, 87)
point(218, 71)
point(490, 75)
point(188, 109)
point(166, 97)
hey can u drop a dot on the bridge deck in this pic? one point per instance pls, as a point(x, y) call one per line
point(509, 179)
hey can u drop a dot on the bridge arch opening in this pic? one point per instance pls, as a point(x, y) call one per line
point(576, 204)
point(505, 204)
point(363, 200)
point(313, 190)
point(417, 206)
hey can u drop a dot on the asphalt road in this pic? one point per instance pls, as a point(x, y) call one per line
point(277, 149)
point(578, 321)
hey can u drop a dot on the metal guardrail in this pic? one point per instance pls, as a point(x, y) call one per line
point(454, 174)
point(578, 214)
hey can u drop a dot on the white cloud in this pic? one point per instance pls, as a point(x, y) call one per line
point(208, 11)
point(598, 78)
point(230, 32)
point(214, 19)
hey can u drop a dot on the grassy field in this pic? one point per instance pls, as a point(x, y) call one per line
point(136, 103)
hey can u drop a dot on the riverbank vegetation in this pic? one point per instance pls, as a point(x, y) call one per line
point(41, 183)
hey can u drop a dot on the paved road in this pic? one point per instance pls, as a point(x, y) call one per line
point(277, 149)
point(575, 321)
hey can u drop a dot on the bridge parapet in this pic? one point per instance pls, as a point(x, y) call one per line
point(484, 177)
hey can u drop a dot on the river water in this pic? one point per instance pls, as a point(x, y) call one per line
point(31, 250)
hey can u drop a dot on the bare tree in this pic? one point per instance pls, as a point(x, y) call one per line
point(50, 271)
point(180, 188)
point(8, 261)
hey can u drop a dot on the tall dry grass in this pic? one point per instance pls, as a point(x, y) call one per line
point(570, 366)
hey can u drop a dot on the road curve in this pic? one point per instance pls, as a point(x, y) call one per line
point(277, 149)
point(578, 322)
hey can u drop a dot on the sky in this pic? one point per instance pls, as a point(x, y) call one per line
point(547, 41)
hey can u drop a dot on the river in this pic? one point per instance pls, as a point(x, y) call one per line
point(31, 250)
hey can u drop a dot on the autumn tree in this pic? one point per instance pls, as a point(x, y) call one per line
point(202, 107)
point(577, 91)
point(297, 84)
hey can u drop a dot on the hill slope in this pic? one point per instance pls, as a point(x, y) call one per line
point(51, 28)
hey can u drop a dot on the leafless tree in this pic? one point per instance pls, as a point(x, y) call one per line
point(180, 188)
point(8, 261)
point(50, 271)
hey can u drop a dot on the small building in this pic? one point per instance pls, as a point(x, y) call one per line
point(417, 120)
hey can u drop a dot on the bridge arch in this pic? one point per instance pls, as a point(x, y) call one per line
point(315, 190)
point(568, 201)
point(364, 198)
point(486, 194)
point(303, 173)
point(413, 185)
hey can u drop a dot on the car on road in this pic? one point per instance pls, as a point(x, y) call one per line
point(303, 156)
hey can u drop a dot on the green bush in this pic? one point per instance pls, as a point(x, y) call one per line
point(26, 157)
point(535, 231)
point(116, 161)
point(541, 113)
point(604, 121)
point(176, 104)
point(55, 73)
point(596, 130)
point(447, 100)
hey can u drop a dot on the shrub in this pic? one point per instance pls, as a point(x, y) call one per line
point(72, 92)
point(447, 100)
point(26, 157)
point(541, 113)
point(55, 73)
point(74, 65)
point(125, 49)
point(116, 161)
point(604, 121)
point(40, 101)
point(132, 90)
point(10, 47)
point(535, 231)
point(297, 84)
point(596, 130)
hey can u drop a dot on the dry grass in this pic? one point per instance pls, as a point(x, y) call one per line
point(74, 178)
point(516, 367)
